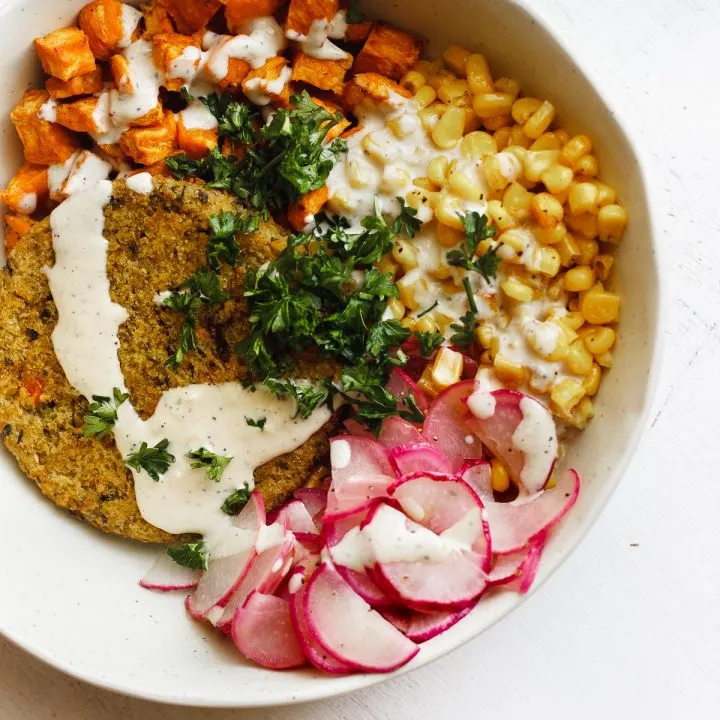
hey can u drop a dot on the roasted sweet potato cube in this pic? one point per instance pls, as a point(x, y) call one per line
point(148, 145)
point(371, 86)
point(81, 85)
point(78, 115)
point(388, 51)
point(304, 210)
point(101, 21)
point(157, 18)
point(16, 228)
point(65, 53)
point(239, 12)
point(191, 15)
point(302, 13)
point(357, 32)
point(195, 142)
point(168, 47)
point(339, 128)
point(269, 83)
point(45, 143)
point(120, 69)
point(237, 71)
point(26, 189)
point(322, 74)
point(154, 117)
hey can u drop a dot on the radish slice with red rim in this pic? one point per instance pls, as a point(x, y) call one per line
point(166, 575)
point(478, 475)
point(349, 629)
point(513, 524)
point(295, 517)
point(446, 428)
point(519, 430)
point(524, 575)
point(262, 630)
point(421, 457)
point(397, 431)
point(424, 626)
point(315, 501)
point(401, 385)
point(357, 428)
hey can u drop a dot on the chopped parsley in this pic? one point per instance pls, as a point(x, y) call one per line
point(384, 336)
point(235, 119)
point(477, 229)
point(214, 464)
point(307, 396)
point(259, 423)
point(463, 335)
point(236, 501)
point(406, 223)
point(221, 245)
point(102, 414)
point(155, 460)
point(428, 309)
point(429, 342)
point(191, 555)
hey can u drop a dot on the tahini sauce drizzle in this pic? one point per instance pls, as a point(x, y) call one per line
point(211, 416)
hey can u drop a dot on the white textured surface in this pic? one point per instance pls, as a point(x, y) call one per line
point(630, 626)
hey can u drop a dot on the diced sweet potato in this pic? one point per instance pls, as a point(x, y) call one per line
point(154, 117)
point(120, 69)
point(16, 228)
point(101, 21)
point(302, 212)
point(191, 15)
point(239, 12)
point(233, 148)
point(65, 53)
point(267, 82)
point(338, 129)
point(157, 169)
point(157, 18)
point(322, 74)
point(168, 47)
point(357, 32)
point(237, 71)
point(45, 143)
point(148, 145)
point(195, 142)
point(388, 51)
point(81, 85)
point(78, 115)
point(371, 86)
point(302, 13)
point(28, 187)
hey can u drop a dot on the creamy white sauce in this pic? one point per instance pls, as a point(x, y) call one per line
point(48, 111)
point(316, 43)
point(481, 404)
point(465, 531)
point(543, 336)
point(57, 174)
point(140, 183)
point(261, 91)
point(210, 416)
point(340, 454)
point(295, 583)
point(185, 65)
point(536, 437)
point(197, 116)
point(270, 536)
point(87, 170)
point(130, 19)
point(353, 551)
point(28, 204)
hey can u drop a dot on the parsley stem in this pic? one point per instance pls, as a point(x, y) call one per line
point(470, 296)
point(430, 309)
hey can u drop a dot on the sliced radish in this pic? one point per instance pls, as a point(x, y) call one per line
point(507, 568)
point(356, 428)
point(423, 626)
point(519, 430)
point(425, 571)
point(397, 431)
point(315, 501)
point(399, 617)
point(513, 524)
point(401, 385)
point(518, 570)
point(349, 629)
point(166, 575)
point(446, 427)
point(478, 475)
point(419, 457)
point(295, 517)
point(262, 631)
point(314, 652)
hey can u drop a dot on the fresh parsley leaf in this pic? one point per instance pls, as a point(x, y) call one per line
point(353, 14)
point(236, 501)
point(221, 245)
point(477, 229)
point(155, 460)
point(191, 555)
point(235, 119)
point(102, 414)
point(181, 166)
point(259, 423)
point(384, 336)
point(429, 342)
point(406, 222)
point(214, 464)
point(463, 336)
point(307, 396)
point(487, 264)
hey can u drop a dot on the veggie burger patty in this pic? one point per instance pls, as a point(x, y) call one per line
point(155, 242)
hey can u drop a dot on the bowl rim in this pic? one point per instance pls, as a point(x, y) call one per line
point(351, 683)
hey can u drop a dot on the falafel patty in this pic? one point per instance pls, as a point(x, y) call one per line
point(155, 242)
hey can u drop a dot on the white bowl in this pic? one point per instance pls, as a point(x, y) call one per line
point(70, 594)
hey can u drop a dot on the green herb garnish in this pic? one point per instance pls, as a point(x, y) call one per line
point(259, 423)
point(307, 396)
point(214, 464)
point(463, 335)
point(102, 414)
point(236, 501)
point(406, 222)
point(429, 342)
point(155, 460)
point(221, 245)
point(191, 555)
point(477, 229)
point(235, 120)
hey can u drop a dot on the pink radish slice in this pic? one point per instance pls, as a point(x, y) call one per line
point(446, 504)
point(424, 571)
point(263, 632)
point(513, 524)
point(396, 431)
point(356, 428)
point(424, 626)
point(507, 568)
point(402, 385)
point(349, 629)
point(531, 564)
point(499, 432)
point(399, 617)
point(295, 517)
point(517, 571)
point(166, 575)
point(446, 427)
point(264, 574)
point(315, 501)
point(420, 457)
point(314, 652)
point(478, 475)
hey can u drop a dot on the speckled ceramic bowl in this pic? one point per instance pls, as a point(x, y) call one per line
point(70, 595)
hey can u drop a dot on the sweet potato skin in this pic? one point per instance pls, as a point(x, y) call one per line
point(191, 15)
point(101, 21)
point(65, 53)
point(195, 142)
point(239, 12)
point(302, 13)
point(270, 71)
point(371, 86)
point(388, 51)
point(157, 19)
point(339, 128)
point(323, 74)
point(16, 228)
point(88, 84)
point(310, 204)
point(29, 180)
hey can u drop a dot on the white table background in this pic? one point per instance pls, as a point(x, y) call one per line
point(629, 627)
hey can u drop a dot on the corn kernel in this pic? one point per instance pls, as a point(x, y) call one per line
point(449, 237)
point(552, 235)
point(500, 216)
point(380, 147)
point(557, 178)
point(361, 174)
point(426, 324)
point(508, 371)
point(547, 340)
point(410, 286)
point(394, 179)
point(540, 120)
point(585, 224)
point(408, 322)
point(455, 57)
point(492, 104)
point(453, 89)
point(562, 135)
point(600, 307)
point(484, 335)
point(605, 360)
point(386, 265)
point(413, 81)
point(591, 383)
point(546, 210)
point(547, 141)
point(546, 261)
point(449, 211)
point(599, 340)
point(478, 145)
point(583, 198)
point(602, 265)
point(573, 320)
point(523, 108)
point(395, 308)
point(403, 125)
point(447, 368)
point(588, 250)
point(516, 289)
point(567, 394)
point(574, 149)
point(404, 254)
point(478, 74)
point(518, 137)
point(606, 194)
point(424, 97)
point(436, 79)
point(423, 202)
point(502, 138)
point(494, 176)
point(449, 128)
point(507, 85)
point(586, 166)
point(578, 359)
point(426, 384)
point(582, 413)
point(496, 123)
point(612, 221)
point(578, 279)
point(568, 250)
point(537, 162)
point(499, 475)
point(425, 183)
point(464, 186)
point(516, 200)
point(437, 170)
